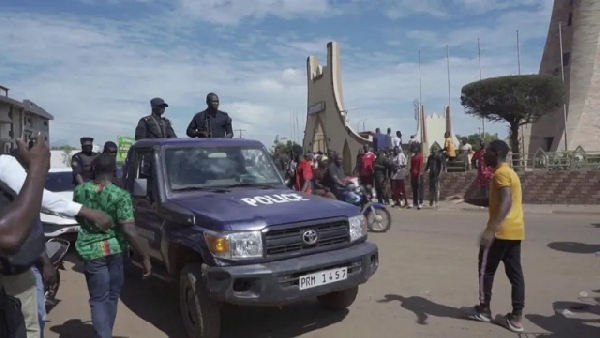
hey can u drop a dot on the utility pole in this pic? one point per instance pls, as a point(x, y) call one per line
point(240, 131)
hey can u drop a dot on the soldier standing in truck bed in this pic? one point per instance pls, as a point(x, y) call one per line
point(155, 125)
point(211, 122)
point(81, 162)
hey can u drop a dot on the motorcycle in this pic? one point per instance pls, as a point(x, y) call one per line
point(56, 249)
point(377, 215)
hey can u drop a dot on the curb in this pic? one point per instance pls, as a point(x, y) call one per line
point(530, 212)
point(542, 212)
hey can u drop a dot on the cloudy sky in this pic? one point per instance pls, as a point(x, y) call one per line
point(95, 64)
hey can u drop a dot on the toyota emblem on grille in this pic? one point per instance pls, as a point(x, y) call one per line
point(310, 237)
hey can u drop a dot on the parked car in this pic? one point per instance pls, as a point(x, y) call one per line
point(228, 231)
point(60, 182)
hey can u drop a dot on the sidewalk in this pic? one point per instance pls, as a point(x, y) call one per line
point(460, 205)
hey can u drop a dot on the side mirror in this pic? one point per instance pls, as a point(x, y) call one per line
point(140, 187)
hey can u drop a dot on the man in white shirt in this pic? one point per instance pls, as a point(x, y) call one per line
point(13, 174)
point(397, 140)
point(398, 176)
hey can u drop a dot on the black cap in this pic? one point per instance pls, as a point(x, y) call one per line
point(86, 140)
point(158, 102)
point(110, 144)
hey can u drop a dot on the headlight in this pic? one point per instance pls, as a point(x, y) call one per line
point(358, 227)
point(235, 245)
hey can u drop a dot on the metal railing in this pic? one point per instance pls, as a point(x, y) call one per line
point(577, 159)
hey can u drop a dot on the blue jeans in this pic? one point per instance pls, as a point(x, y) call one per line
point(41, 297)
point(105, 278)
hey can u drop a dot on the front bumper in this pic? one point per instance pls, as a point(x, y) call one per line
point(276, 283)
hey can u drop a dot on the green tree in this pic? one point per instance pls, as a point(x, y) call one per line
point(475, 139)
point(281, 150)
point(517, 100)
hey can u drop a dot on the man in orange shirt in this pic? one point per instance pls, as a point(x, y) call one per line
point(304, 174)
point(501, 239)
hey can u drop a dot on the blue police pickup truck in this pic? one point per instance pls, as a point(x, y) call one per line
point(218, 220)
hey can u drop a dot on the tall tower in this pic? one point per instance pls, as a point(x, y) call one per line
point(578, 22)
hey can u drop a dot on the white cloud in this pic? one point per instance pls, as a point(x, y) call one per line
point(455, 9)
point(233, 11)
point(97, 75)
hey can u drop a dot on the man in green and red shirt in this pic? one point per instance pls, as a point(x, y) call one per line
point(102, 250)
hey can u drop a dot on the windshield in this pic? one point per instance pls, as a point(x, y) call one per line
point(208, 167)
point(59, 181)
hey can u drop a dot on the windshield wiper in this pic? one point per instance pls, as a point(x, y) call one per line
point(212, 189)
point(258, 185)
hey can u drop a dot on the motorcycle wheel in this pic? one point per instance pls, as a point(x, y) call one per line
point(379, 220)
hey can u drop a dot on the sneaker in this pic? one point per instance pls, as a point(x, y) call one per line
point(479, 314)
point(512, 322)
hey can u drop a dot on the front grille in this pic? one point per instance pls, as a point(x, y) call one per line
point(289, 240)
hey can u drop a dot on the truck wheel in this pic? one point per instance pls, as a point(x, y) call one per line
point(201, 316)
point(338, 300)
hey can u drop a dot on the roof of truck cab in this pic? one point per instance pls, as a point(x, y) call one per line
point(207, 142)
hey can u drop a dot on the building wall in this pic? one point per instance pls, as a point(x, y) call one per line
point(435, 127)
point(327, 128)
point(538, 186)
point(580, 37)
point(19, 120)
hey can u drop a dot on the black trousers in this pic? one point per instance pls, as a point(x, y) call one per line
point(379, 187)
point(416, 183)
point(509, 253)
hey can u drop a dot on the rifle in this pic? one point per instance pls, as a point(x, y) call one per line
point(206, 130)
point(208, 126)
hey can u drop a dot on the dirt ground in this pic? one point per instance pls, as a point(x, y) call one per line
point(428, 271)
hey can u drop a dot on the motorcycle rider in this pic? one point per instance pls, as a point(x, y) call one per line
point(335, 179)
point(320, 176)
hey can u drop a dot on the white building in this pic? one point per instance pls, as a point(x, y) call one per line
point(21, 120)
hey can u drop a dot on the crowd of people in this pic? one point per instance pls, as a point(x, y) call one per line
point(383, 167)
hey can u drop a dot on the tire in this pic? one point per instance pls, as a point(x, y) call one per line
point(201, 316)
point(385, 224)
point(339, 300)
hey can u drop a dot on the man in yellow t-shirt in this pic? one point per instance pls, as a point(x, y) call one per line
point(501, 240)
point(449, 149)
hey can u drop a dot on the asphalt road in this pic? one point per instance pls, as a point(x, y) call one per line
point(428, 271)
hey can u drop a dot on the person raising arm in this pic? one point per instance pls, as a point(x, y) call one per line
point(16, 220)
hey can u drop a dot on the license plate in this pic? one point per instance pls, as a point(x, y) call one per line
point(322, 277)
